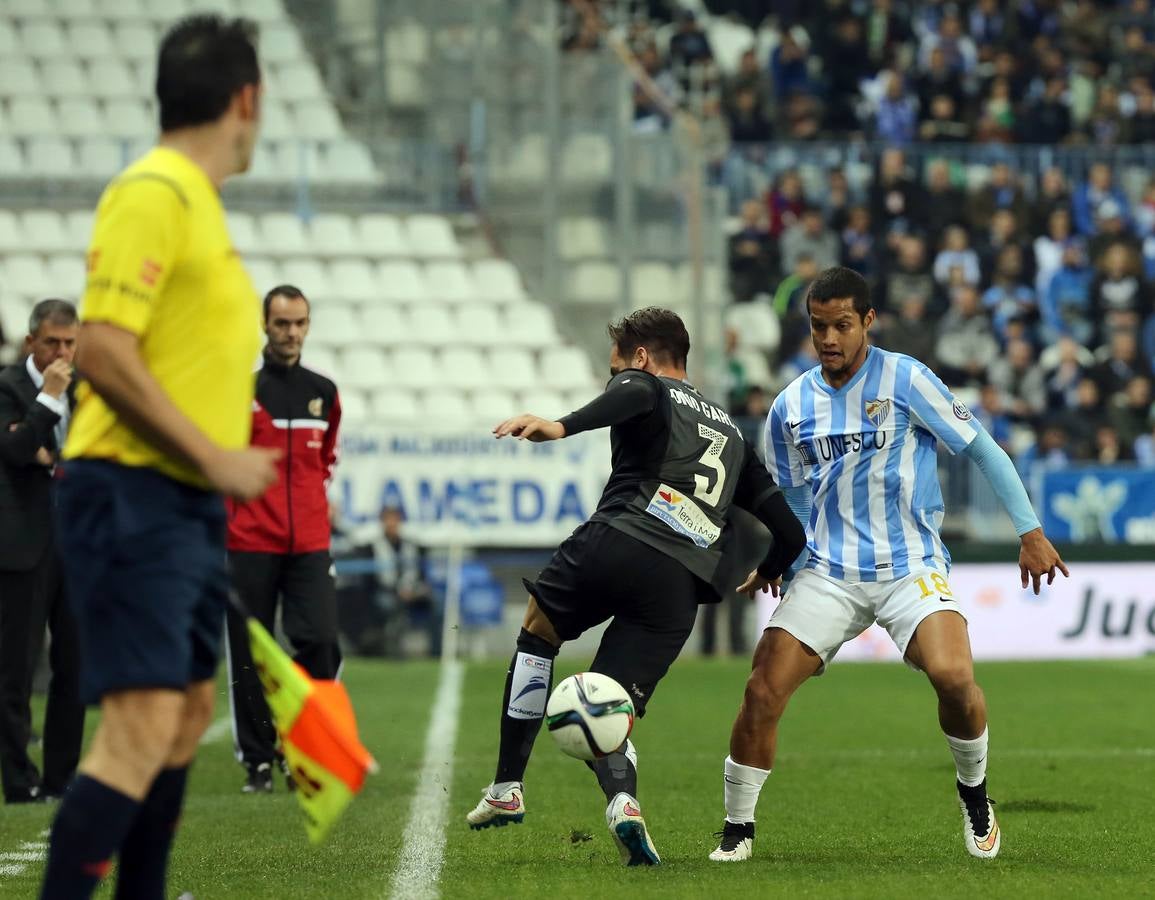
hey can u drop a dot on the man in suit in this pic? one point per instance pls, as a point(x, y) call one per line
point(35, 406)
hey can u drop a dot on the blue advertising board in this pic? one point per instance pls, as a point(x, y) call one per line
point(1097, 503)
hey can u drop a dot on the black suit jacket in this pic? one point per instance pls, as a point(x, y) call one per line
point(26, 495)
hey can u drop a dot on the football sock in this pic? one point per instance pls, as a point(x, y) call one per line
point(743, 785)
point(90, 826)
point(144, 853)
point(527, 685)
point(970, 758)
point(618, 772)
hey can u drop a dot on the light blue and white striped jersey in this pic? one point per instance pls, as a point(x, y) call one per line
point(867, 450)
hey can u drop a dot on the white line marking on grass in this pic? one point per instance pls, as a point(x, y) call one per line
point(33, 856)
point(419, 866)
point(217, 730)
point(13, 869)
point(33, 845)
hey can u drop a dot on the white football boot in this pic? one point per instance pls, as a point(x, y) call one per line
point(497, 810)
point(736, 844)
point(981, 832)
point(624, 818)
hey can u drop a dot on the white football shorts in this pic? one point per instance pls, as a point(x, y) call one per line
point(824, 613)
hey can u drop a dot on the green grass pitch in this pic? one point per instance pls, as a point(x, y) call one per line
point(861, 803)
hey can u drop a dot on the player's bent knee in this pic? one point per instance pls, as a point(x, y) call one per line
point(764, 700)
point(952, 680)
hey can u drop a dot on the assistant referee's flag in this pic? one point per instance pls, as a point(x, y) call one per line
point(318, 733)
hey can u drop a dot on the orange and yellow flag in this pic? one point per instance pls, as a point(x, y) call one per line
point(318, 734)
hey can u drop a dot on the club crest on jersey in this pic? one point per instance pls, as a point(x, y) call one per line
point(877, 411)
point(315, 407)
point(961, 411)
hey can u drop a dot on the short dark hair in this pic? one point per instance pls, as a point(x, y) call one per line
point(661, 331)
point(288, 291)
point(838, 283)
point(59, 312)
point(204, 60)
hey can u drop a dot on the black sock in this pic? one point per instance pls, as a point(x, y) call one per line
point(527, 685)
point(616, 773)
point(144, 853)
point(88, 831)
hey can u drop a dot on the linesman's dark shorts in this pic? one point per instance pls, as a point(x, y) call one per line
point(144, 557)
point(599, 573)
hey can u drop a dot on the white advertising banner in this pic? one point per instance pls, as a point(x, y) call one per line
point(1102, 610)
point(464, 486)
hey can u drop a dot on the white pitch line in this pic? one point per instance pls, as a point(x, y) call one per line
point(34, 856)
point(13, 869)
point(419, 866)
point(216, 731)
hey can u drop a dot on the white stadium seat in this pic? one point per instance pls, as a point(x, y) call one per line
point(497, 281)
point(243, 232)
point(100, 157)
point(74, 9)
point(394, 406)
point(446, 405)
point(401, 282)
point(381, 235)
point(580, 237)
point(364, 367)
point(449, 282)
point(276, 122)
point(264, 273)
point(587, 158)
point(299, 81)
point(431, 237)
point(385, 326)
point(653, 285)
point(414, 367)
point(309, 276)
point(512, 368)
point(594, 282)
point(18, 77)
point(91, 40)
point(120, 10)
point(345, 162)
point(463, 367)
point(65, 78)
point(318, 119)
point(112, 78)
point(283, 234)
point(14, 313)
point(479, 326)
point(542, 402)
point(334, 326)
point(11, 232)
point(43, 38)
point(333, 234)
point(135, 40)
point(355, 408)
point(280, 43)
point(353, 279)
point(262, 10)
point(405, 85)
point(321, 359)
point(566, 368)
point(11, 158)
point(129, 119)
point(756, 324)
point(529, 325)
point(32, 116)
point(79, 225)
point(81, 117)
point(9, 44)
point(27, 274)
point(266, 164)
point(68, 274)
point(493, 406)
point(431, 326)
point(50, 157)
point(45, 232)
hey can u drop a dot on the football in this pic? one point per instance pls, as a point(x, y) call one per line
point(589, 715)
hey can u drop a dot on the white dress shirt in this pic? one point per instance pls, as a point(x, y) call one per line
point(58, 405)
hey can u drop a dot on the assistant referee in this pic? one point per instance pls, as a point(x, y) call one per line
point(279, 543)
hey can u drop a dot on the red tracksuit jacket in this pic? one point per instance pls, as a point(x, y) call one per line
point(297, 411)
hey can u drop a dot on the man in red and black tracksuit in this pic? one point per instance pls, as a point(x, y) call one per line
point(279, 543)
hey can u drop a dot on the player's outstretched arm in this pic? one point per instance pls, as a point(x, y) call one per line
point(109, 357)
point(628, 395)
point(530, 428)
point(1037, 556)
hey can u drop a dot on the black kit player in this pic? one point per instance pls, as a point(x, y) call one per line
point(659, 543)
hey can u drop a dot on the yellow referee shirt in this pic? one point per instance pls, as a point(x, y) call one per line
point(162, 266)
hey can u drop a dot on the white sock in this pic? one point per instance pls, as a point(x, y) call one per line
point(970, 758)
point(500, 787)
point(743, 785)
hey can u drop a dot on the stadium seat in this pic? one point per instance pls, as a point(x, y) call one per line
point(81, 117)
point(334, 326)
point(318, 119)
point(44, 231)
point(263, 273)
point(11, 159)
point(715, 292)
point(283, 234)
point(526, 164)
point(497, 281)
point(68, 274)
point(309, 276)
point(100, 158)
point(414, 367)
point(381, 235)
point(44, 39)
point(462, 367)
point(11, 232)
point(653, 285)
point(111, 78)
point(320, 359)
point(566, 368)
point(755, 367)
point(50, 157)
point(405, 86)
point(449, 282)
point(27, 274)
point(479, 326)
point(394, 406)
point(79, 225)
point(19, 78)
point(587, 159)
point(384, 326)
point(276, 122)
point(135, 40)
point(73, 10)
point(594, 282)
point(529, 325)
point(401, 282)
point(579, 397)
point(129, 119)
point(541, 402)
point(355, 408)
point(512, 368)
point(333, 234)
point(64, 78)
point(364, 367)
point(353, 279)
point(32, 116)
point(431, 237)
point(9, 44)
point(14, 312)
point(756, 324)
point(345, 161)
point(431, 326)
point(298, 81)
point(93, 41)
point(579, 237)
point(446, 405)
point(263, 11)
point(407, 41)
point(728, 41)
point(280, 43)
point(493, 406)
point(266, 164)
point(243, 231)
point(122, 10)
